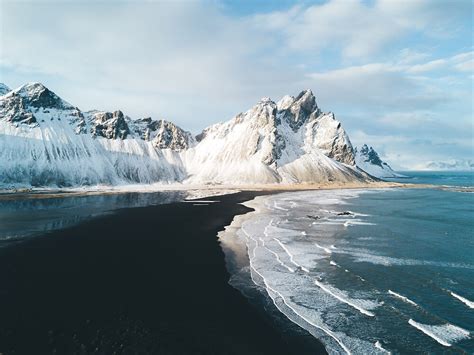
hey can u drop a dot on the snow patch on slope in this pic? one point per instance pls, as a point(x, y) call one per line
point(368, 160)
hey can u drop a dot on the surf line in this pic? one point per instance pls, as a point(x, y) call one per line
point(277, 257)
point(403, 298)
point(327, 250)
point(378, 345)
point(343, 300)
point(420, 327)
point(290, 255)
point(468, 303)
point(268, 287)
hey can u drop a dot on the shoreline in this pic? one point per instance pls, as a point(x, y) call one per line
point(139, 280)
point(195, 191)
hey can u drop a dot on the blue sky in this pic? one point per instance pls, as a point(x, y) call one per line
point(397, 73)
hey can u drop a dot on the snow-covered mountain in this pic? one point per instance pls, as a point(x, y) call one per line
point(291, 141)
point(368, 160)
point(4, 89)
point(45, 141)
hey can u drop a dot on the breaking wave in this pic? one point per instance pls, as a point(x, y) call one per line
point(468, 303)
point(403, 298)
point(446, 334)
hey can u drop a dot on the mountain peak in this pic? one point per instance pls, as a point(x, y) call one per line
point(4, 89)
point(370, 155)
point(306, 100)
point(369, 160)
point(297, 110)
point(266, 101)
point(38, 95)
point(31, 88)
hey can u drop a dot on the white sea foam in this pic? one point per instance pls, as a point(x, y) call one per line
point(278, 207)
point(277, 257)
point(355, 222)
point(290, 255)
point(341, 297)
point(378, 345)
point(327, 250)
point(364, 255)
point(445, 334)
point(357, 214)
point(468, 303)
point(333, 263)
point(285, 301)
point(403, 298)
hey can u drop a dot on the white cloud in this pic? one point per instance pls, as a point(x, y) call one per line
point(360, 29)
point(174, 59)
point(194, 64)
point(376, 85)
point(409, 56)
point(429, 66)
point(467, 66)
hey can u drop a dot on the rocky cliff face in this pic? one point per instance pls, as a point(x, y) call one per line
point(170, 136)
point(46, 141)
point(369, 160)
point(109, 125)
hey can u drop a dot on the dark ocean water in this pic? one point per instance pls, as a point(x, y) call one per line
point(371, 271)
point(23, 216)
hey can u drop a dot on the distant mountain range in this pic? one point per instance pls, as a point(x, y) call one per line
point(459, 165)
point(46, 141)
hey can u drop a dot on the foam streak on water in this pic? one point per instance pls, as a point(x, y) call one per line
point(468, 303)
point(403, 298)
point(343, 299)
point(443, 334)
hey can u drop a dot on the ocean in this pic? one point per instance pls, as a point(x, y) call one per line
point(365, 271)
point(27, 215)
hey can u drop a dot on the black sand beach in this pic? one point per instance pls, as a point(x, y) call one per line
point(139, 280)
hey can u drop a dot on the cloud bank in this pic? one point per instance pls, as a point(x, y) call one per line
point(398, 74)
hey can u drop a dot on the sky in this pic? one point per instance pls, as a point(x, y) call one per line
point(398, 74)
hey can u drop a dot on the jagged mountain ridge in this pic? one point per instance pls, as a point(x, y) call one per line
point(291, 141)
point(369, 160)
point(46, 141)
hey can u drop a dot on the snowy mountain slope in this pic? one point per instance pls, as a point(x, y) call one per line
point(4, 89)
point(368, 160)
point(45, 141)
point(289, 142)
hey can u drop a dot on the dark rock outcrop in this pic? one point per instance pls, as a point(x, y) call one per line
point(110, 125)
point(170, 136)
